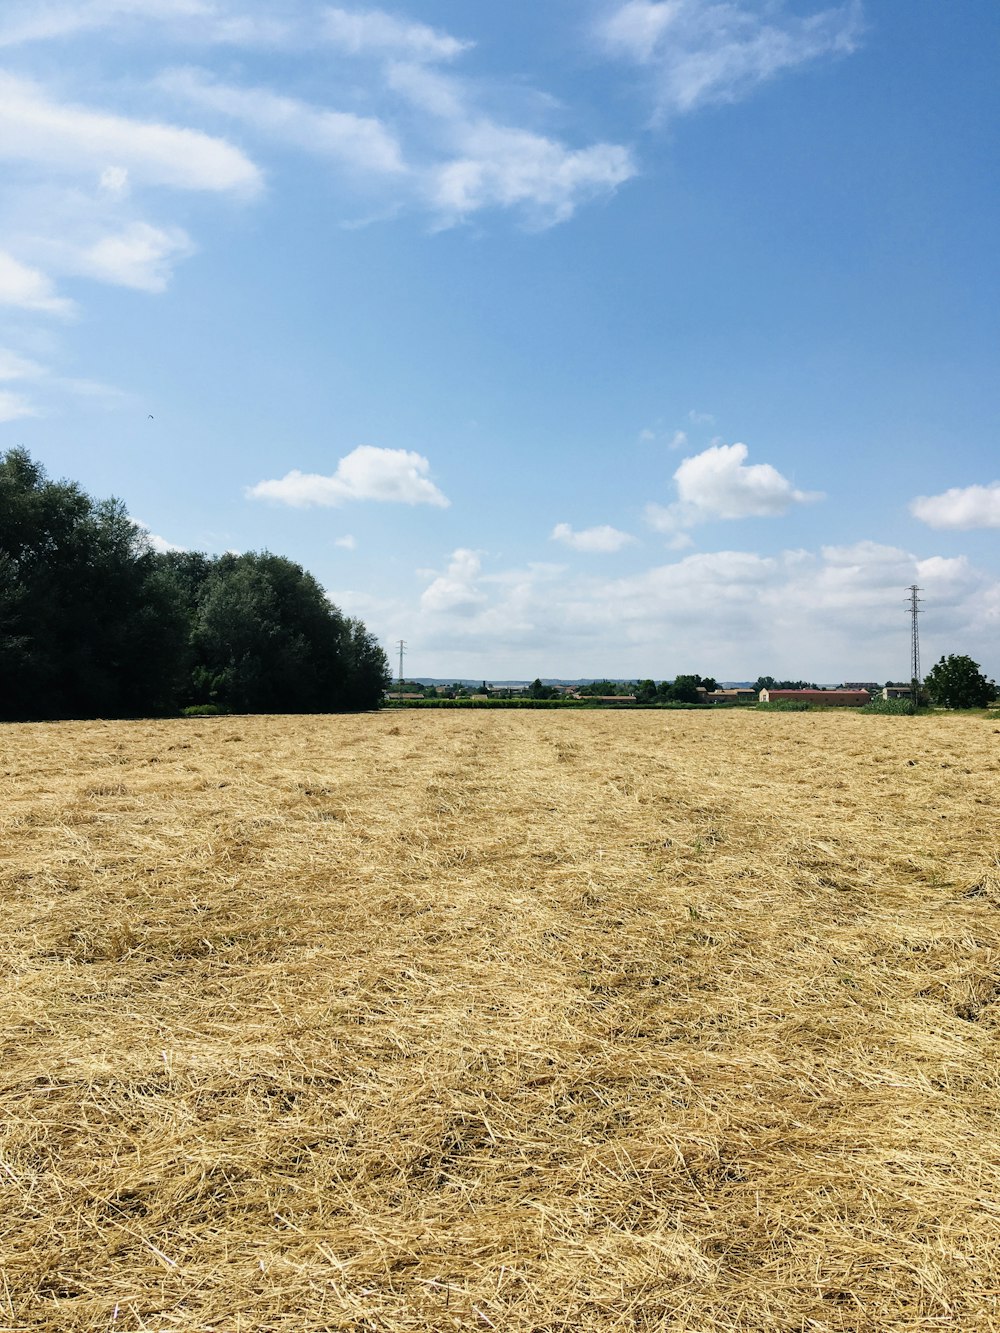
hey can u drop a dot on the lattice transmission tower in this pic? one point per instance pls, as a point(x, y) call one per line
point(914, 606)
point(401, 646)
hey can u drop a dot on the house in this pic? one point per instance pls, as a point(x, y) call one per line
point(737, 696)
point(823, 698)
point(898, 692)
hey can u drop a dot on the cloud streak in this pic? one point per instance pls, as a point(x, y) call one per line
point(74, 139)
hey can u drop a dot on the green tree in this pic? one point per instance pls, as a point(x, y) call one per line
point(536, 690)
point(88, 624)
point(957, 682)
point(267, 639)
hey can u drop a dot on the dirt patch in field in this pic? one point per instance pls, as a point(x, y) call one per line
point(515, 1021)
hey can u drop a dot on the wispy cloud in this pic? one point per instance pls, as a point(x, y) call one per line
point(367, 473)
point(598, 540)
point(197, 21)
point(359, 141)
point(719, 484)
point(700, 52)
point(13, 406)
point(374, 32)
point(483, 163)
point(37, 128)
point(961, 508)
point(29, 288)
point(13, 366)
point(140, 256)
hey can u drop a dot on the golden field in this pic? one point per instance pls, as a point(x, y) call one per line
point(515, 1021)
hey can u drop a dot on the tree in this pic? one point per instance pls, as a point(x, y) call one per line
point(94, 623)
point(537, 690)
point(267, 639)
point(957, 682)
point(88, 625)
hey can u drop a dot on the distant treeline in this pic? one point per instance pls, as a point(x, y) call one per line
point(95, 623)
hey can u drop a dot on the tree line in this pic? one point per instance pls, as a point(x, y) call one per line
point(96, 623)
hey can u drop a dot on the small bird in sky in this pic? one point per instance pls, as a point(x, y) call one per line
point(151, 416)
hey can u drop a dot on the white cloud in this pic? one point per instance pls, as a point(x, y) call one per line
point(367, 473)
point(719, 484)
point(456, 592)
point(483, 163)
point(360, 141)
point(114, 181)
point(715, 51)
point(602, 539)
point(500, 167)
point(15, 367)
point(191, 20)
point(348, 542)
point(962, 508)
point(138, 257)
point(372, 31)
point(29, 288)
point(13, 406)
point(74, 139)
point(833, 614)
point(157, 543)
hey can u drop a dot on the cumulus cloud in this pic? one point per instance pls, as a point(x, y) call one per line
point(74, 139)
point(832, 614)
point(456, 592)
point(700, 52)
point(602, 539)
point(359, 141)
point(29, 288)
point(367, 473)
point(372, 31)
point(719, 484)
point(961, 508)
point(348, 542)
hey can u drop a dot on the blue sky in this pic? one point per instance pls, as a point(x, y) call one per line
point(623, 337)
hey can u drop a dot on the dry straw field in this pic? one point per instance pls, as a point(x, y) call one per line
point(501, 1021)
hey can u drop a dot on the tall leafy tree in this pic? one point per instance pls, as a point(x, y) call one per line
point(957, 682)
point(87, 626)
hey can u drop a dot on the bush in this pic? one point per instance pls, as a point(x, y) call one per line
point(898, 707)
point(205, 710)
point(785, 706)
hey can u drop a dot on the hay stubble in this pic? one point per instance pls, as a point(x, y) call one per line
point(531, 1022)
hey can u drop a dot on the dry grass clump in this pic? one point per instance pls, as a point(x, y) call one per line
point(508, 1021)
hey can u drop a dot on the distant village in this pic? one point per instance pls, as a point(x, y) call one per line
point(691, 690)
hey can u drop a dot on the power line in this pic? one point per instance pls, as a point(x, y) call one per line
point(402, 647)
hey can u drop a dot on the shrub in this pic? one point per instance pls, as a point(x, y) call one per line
point(205, 710)
point(898, 707)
